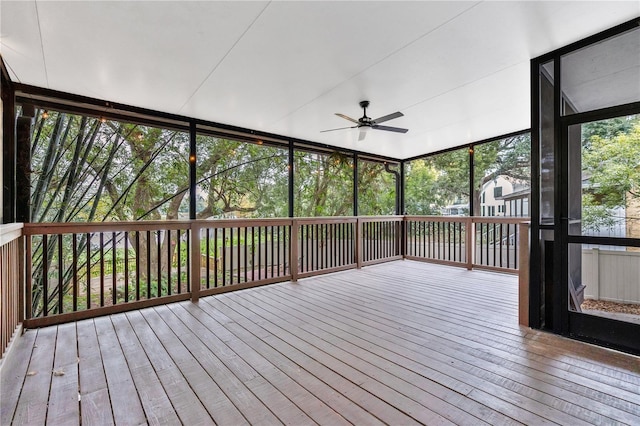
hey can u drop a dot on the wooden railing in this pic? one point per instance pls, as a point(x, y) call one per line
point(381, 239)
point(490, 243)
point(497, 243)
point(325, 245)
point(76, 271)
point(11, 284)
point(239, 253)
point(439, 239)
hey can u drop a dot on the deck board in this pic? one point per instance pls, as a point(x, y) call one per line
point(63, 402)
point(397, 343)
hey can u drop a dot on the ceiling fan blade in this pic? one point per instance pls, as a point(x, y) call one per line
point(363, 134)
point(390, 129)
point(388, 117)
point(353, 120)
point(339, 128)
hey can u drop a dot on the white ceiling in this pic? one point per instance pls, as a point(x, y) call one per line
point(459, 71)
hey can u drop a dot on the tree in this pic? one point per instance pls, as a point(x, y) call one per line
point(323, 184)
point(611, 163)
point(421, 195)
point(376, 189)
point(437, 181)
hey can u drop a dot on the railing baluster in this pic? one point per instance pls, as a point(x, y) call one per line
point(101, 269)
point(60, 274)
point(516, 243)
point(179, 260)
point(501, 244)
point(224, 257)
point(148, 264)
point(45, 275)
point(159, 252)
point(259, 252)
point(278, 247)
point(286, 248)
point(88, 265)
point(137, 265)
point(231, 256)
point(488, 244)
point(244, 248)
point(114, 270)
point(126, 266)
point(207, 272)
point(239, 251)
point(494, 244)
point(169, 266)
point(74, 267)
point(253, 254)
point(272, 256)
point(508, 244)
point(188, 248)
point(215, 257)
point(460, 240)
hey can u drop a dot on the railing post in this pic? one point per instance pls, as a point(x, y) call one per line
point(194, 262)
point(359, 242)
point(523, 274)
point(470, 241)
point(293, 251)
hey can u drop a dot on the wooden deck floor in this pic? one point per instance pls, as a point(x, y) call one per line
point(398, 343)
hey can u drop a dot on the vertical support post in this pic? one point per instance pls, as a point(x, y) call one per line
point(293, 251)
point(355, 184)
point(470, 241)
point(291, 166)
point(403, 224)
point(471, 182)
point(8, 213)
point(192, 171)
point(23, 166)
point(402, 187)
point(359, 242)
point(194, 262)
point(523, 274)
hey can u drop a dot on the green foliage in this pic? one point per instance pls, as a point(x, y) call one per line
point(434, 182)
point(421, 195)
point(322, 184)
point(376, 189)
point(611, 164)
point(241, 179)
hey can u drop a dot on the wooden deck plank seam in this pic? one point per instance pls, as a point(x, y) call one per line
point(322, 336)
point(334, 314)
point(465, 333)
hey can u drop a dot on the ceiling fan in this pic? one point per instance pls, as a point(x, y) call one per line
point(365, 123)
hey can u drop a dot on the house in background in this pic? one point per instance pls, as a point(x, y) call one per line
point(504, 196)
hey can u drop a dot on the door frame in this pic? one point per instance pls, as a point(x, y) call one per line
point(591, 328)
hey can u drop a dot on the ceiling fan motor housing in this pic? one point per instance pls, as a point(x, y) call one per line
point(364, 120)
